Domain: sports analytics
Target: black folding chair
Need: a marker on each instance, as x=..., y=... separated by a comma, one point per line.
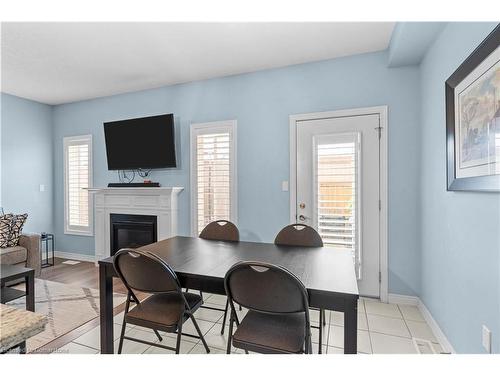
x=278, y=318
x=220, y=230
x=166, y=309
x=306, y=236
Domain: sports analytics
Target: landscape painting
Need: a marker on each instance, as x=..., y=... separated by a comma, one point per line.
x=479, y=117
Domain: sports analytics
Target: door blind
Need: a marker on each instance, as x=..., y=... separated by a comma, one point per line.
x=337, y=194
x=78, y=173
x=213, y=166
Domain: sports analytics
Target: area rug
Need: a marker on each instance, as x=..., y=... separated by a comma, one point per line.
x=67, y=307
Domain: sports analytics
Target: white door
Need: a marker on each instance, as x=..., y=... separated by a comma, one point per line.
x=338, y=184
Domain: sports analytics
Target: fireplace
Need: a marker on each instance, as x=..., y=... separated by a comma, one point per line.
x=131, y=231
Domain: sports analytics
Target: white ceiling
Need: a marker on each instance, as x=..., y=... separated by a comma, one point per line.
x=58, y=63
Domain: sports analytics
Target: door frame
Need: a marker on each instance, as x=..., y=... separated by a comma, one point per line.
x=383, y=228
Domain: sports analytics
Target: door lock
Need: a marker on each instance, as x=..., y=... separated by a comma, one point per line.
x=302, y=205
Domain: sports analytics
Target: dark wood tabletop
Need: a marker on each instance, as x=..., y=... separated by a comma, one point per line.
x=319, y=268
x=327, y=273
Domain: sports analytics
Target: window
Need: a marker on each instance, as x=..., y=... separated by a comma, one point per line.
x=337, y=192
x=77, y=177
x=213, y=173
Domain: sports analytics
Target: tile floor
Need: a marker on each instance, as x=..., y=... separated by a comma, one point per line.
x=382, y=328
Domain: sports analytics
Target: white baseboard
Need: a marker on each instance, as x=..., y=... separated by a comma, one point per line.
x=401, y=299
x=440, y=336
x=75, y=256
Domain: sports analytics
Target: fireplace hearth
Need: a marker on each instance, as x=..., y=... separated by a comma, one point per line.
x=131, y=231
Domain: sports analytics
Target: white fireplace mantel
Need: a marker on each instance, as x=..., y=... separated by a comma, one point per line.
x=155, y=201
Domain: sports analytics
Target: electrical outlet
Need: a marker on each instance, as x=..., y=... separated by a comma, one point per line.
x=284, y=185
x=487, y=339
x=42, y=187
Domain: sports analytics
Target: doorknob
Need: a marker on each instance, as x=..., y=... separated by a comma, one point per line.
x=302, y=218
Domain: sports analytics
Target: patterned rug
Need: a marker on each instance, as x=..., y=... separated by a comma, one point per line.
x=66, y=306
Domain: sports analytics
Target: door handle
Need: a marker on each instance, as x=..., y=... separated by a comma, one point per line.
x=302, y=218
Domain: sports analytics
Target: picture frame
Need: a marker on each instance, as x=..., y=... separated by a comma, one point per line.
x=472, y=95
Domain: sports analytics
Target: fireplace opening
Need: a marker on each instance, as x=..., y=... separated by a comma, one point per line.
x=132, y=231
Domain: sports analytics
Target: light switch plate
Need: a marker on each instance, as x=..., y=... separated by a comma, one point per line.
x=284, y=185
x=487, y=339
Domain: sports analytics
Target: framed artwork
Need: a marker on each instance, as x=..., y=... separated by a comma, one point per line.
x=473, y=120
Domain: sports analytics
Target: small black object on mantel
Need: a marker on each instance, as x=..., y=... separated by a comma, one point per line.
x=47, y=239
x=133, y=184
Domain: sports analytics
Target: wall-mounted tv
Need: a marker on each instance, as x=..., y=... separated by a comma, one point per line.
x=141, y=143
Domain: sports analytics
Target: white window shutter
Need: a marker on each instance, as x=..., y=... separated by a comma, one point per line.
x=78, y=170
x=214, y=189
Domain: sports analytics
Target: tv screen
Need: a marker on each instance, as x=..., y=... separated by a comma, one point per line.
x=141, y=143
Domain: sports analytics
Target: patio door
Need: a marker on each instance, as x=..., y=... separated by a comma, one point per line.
x=338, y=188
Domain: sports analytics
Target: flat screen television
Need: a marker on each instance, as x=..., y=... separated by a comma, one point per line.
x=141, y=143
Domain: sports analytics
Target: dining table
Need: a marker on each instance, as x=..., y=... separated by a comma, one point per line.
x=328, y=274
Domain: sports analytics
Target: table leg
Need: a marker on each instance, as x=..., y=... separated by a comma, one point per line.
x=351, y=326
x=30, y=291
x=106, y=310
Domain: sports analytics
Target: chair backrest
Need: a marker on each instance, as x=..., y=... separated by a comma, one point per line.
x=221, y=230
x=298, y=235
x=144, y=271
x=266, y=288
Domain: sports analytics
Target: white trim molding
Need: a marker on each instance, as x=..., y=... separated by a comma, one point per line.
x=75, y=256
x=401, y=299
x=382, y=111
x=196, y=129
x=440, y=336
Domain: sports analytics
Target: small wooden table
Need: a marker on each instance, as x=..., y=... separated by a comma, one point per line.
x=16, y=326
x=11, y=273
x=327, y=273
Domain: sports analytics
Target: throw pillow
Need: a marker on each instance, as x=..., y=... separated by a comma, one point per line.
x=15, y=228
x=5, y=223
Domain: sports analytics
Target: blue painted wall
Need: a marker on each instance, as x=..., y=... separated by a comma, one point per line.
x=27, y=160
x=460, y=231
x=261, y=103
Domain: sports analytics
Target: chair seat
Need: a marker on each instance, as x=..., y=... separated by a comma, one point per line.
x=162, y=311
x=269, y=333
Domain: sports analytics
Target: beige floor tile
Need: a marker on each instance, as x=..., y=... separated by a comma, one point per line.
x=421, y=330
x=411, y=313
x=386, y=344
x=186, y=346
x=92, y=337
x=133, y=347
x=387, y=325
x=336, y=338
x=315, y=347
x=214, y=339
x=385, y=309
x=74, y=348
x=338, y=320
x=200, y=349
x=208, y=314
x=361, y=305
x=216, y=299
x=314, y=316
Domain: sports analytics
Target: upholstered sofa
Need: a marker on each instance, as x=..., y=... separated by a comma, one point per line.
x=27, y=253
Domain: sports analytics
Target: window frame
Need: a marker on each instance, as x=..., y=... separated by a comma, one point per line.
x=212, y=128
x=80, y=231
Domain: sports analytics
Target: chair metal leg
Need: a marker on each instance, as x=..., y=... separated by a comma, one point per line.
x=201, y=295
x=321, y=319
x=230, y=336
x=200, y=334
x=120, y=345
x=324, y=316
x=179, y=334
x=224, y=319
x=158, y=335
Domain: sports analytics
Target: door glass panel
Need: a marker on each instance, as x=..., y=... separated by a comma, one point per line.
x=337, y=183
